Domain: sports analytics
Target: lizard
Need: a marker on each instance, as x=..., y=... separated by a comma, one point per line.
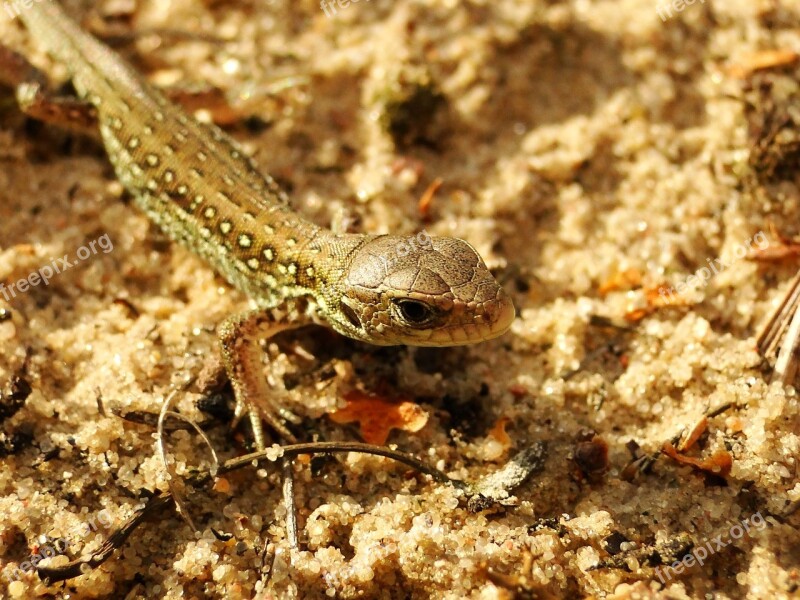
x=199, y=187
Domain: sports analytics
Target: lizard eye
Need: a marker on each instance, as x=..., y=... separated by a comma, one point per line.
x=414, y=312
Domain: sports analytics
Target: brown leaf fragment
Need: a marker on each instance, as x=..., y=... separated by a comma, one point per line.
x=518, y=390
x=695, y=434
x=660, y=296
x=663, y=295
x=426, y=200
x=377, y=417
x=786, y=248
x=499, y=434
x=621, y=280
x=763, y=60
x=719, y=464
x=637, y=315
x=222, y=485
x=778, y=254
x=591, y=458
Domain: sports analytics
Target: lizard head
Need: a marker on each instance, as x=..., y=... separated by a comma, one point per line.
x=421, y=291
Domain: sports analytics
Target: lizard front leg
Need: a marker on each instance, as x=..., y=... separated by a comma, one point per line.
x=241, y=354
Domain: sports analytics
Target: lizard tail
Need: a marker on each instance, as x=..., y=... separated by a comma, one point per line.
x=63, y=38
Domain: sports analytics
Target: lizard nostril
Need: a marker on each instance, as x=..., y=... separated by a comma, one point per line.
x=350, y=315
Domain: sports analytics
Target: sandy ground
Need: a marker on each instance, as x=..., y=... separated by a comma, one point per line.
x=591, y=150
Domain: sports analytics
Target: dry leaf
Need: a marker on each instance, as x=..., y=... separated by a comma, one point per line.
x=785, y=248
x=377, y=417
x=719, y=464
x=518, y=390
x=424, y=206
x=591, y=457
x=660, y=296
x=760, y=61
x=664, y=295
x=691, y=440
x=222, y=485
x=621, y=280
x=498, y=433
x=637, y=315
